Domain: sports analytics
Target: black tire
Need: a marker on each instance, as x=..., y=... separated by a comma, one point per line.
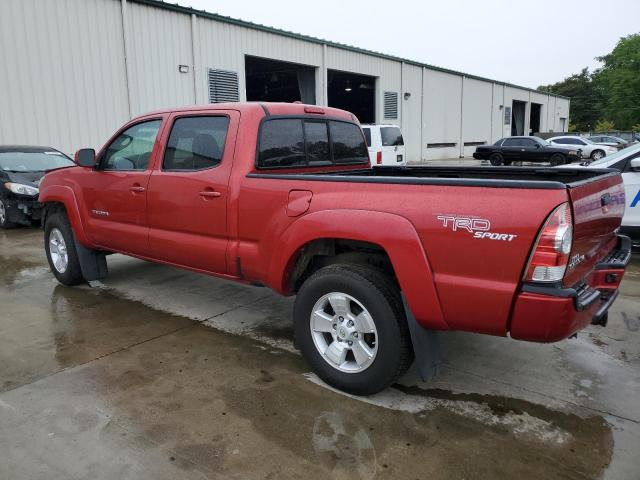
x=597, y=154
x=73, y=274
x=496, y=159
x=4, y=217
x=381, y=298
x=557, y=159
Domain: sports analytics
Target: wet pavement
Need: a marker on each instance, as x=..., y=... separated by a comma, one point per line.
x=161, y=373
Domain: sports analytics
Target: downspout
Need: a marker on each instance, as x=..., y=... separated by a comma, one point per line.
x=461, y=154
x=194, y=32
x=125, y=41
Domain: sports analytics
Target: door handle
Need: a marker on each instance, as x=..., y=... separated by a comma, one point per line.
x=137, y=189
x=210, y=194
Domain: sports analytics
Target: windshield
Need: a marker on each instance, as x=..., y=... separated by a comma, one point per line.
x=541, y=141
x=33, y=161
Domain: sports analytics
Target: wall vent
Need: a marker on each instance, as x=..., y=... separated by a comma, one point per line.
x=223, y=86
x=391, y=105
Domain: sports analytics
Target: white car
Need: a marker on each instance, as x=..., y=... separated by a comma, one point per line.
x=594, y=151
x=385, y=145
x=626, y=161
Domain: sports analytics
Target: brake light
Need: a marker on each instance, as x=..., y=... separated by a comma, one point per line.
x=379, y=158
x=550, y=255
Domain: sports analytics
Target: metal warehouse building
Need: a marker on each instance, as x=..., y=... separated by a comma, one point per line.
x=72, y=71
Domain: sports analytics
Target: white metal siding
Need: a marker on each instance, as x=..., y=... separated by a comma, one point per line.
x=62, y=72
x=65, y=81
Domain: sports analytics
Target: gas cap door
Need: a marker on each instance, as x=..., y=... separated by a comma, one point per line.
x=299, y=201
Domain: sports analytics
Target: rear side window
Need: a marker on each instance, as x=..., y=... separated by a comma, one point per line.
x=367, y=136
x=348, y=143
x=296, y=142
x=391, y=136
x=195, y=143
x=511, y=142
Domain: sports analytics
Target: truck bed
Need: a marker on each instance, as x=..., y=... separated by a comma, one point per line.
x=499, y=177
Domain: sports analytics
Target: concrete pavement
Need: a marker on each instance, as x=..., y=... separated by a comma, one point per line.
x=162, y=373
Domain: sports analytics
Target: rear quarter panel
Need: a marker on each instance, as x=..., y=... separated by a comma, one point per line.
x=475, y=279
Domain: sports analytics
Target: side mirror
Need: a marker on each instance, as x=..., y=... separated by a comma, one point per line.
x=635, y=165
x=85, y=157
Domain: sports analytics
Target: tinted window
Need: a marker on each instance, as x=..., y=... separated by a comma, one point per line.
x=526, y=142
x=317, y=137
x=511, y=142
x=195, y=143
x=566, y=141
x=367, y=136
x=348, y=143
x=391, y=136
x=131, y=150
x=281, y=144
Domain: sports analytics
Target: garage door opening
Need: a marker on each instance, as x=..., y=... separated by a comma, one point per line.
x=275, y=81
x=517, y=117
x=354, y=93
x=534, y=118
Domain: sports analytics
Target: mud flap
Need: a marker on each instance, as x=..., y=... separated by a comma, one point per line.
x=92, y=264
x=426, y=347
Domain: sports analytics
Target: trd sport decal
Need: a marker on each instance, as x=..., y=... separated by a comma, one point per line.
x=478, y=227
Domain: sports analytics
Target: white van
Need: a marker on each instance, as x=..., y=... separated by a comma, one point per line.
x=385, y=144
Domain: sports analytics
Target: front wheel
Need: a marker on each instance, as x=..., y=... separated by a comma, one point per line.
x=351, y=328
x=4, y=216
x=496, y=159
x=61, y=250
x=557, y=159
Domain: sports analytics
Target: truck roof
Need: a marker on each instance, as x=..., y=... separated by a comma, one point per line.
x=269, y=108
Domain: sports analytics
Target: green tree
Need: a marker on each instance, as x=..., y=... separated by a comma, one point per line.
x=586, y=98
x=603, y=126
x=635, y=128
x=620, y=81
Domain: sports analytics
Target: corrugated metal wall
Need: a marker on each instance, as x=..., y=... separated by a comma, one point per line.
x=73, y=71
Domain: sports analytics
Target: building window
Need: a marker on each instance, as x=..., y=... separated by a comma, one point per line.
x=391, y=105
x=223, y=86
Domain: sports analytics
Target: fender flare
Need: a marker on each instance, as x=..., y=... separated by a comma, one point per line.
x=393, y=233
x=66, y=196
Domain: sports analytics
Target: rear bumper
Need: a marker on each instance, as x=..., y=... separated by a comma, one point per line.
x=549, y=314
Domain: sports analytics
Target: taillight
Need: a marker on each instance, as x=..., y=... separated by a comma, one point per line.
x=550, y=255
x=379, y=158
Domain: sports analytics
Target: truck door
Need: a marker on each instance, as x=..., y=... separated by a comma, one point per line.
x=188, y=193
x=115, y=194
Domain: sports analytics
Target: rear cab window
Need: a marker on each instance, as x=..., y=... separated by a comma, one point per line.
x=305, y=142
x=391, y=136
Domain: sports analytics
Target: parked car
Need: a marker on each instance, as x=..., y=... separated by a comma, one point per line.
x=21, y=168
x=627, y=161
x=527, y=149
x=283, y=195
x=610, y=140
x=385, y=144
x=594, y=151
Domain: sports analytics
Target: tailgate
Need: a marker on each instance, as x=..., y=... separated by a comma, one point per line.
x=598, y=207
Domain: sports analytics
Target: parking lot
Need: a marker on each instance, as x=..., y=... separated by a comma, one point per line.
x=162, y=373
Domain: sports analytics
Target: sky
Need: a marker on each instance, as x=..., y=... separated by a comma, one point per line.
x=525, y=43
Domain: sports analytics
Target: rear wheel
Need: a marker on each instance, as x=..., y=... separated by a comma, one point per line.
x=351, y=328
x=557, y=159
x=4, y=216
x=61, y=251
x=597, y=154
x=496, y=159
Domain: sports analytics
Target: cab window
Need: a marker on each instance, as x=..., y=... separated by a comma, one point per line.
x=131, y=150
x=196, y=143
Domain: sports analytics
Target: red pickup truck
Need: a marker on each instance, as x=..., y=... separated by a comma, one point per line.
x=282, y=195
